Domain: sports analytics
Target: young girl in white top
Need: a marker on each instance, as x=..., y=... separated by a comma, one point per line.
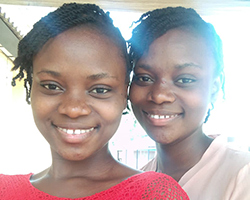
x=178, y=73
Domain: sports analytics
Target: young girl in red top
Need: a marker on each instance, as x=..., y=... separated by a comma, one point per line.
x=76, y=72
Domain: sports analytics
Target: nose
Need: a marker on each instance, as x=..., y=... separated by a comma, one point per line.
x=161, y=93
x=74, y=106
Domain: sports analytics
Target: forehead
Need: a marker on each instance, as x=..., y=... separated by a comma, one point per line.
x=80, y=48
x=178, y=46
x=80, y=36
x=180, y=39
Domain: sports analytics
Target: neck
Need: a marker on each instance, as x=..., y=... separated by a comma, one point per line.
x=94, y=166
x=75, y=179
x=176, y=159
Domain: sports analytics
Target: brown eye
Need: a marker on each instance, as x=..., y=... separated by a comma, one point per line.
x=185, y=80
x=142, y=78
x=145, y=79
x=51, y=87
x=100, y=90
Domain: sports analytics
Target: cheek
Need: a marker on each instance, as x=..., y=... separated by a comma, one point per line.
x=111, y=117
x=42, y=108
x=196, y=102
x=111, y=110
x=39, y=115
x=37, y=107
x=135, y=94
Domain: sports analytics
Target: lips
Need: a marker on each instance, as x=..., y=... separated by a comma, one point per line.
x=75, y=131
x=161, y=119
x=162, y=116
x=75, y=135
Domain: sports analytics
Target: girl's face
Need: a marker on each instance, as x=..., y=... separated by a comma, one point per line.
x=78, y=92
x=173, y=86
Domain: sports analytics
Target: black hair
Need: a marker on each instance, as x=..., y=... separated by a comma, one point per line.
x=153, y=24
x=65, y=17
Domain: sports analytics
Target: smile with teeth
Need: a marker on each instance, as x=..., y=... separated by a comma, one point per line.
x=75, y=131
x=162, y=116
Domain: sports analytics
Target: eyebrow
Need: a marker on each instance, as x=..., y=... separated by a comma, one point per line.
x=146, y=67
x=53, y=73
x=180, y=66
x=93, y=77
x=100, y=76
x=187, y=65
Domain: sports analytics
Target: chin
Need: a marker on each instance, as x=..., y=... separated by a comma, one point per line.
x=72, y=156
x=163, y=140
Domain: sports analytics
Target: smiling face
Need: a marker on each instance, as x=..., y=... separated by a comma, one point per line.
x=78, y=92
x=173, y=86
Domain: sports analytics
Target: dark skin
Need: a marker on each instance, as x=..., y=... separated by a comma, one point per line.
x=176, y=160
x=174, y=84
x=81, y=179
x=79, y=86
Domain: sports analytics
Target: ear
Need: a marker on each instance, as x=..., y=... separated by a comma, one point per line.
x=217, y=85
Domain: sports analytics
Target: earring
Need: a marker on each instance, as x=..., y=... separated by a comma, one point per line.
x=208, y=112
x=127, y=109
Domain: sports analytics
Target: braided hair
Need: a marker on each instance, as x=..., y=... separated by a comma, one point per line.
x=65, y=17
x=153, y=24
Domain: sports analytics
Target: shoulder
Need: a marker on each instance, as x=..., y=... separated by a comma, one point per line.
x=18, y=177
x=14, y=186
x=234, y=156
x=158, y=179
x=159, y=185
x=222, y=151
x=10, y=181
x=217, y=159
x=237, y=166
x=151, y=175
x=222, y=165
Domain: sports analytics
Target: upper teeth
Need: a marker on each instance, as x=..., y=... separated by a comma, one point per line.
x=75, y=131
x=162, y=116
